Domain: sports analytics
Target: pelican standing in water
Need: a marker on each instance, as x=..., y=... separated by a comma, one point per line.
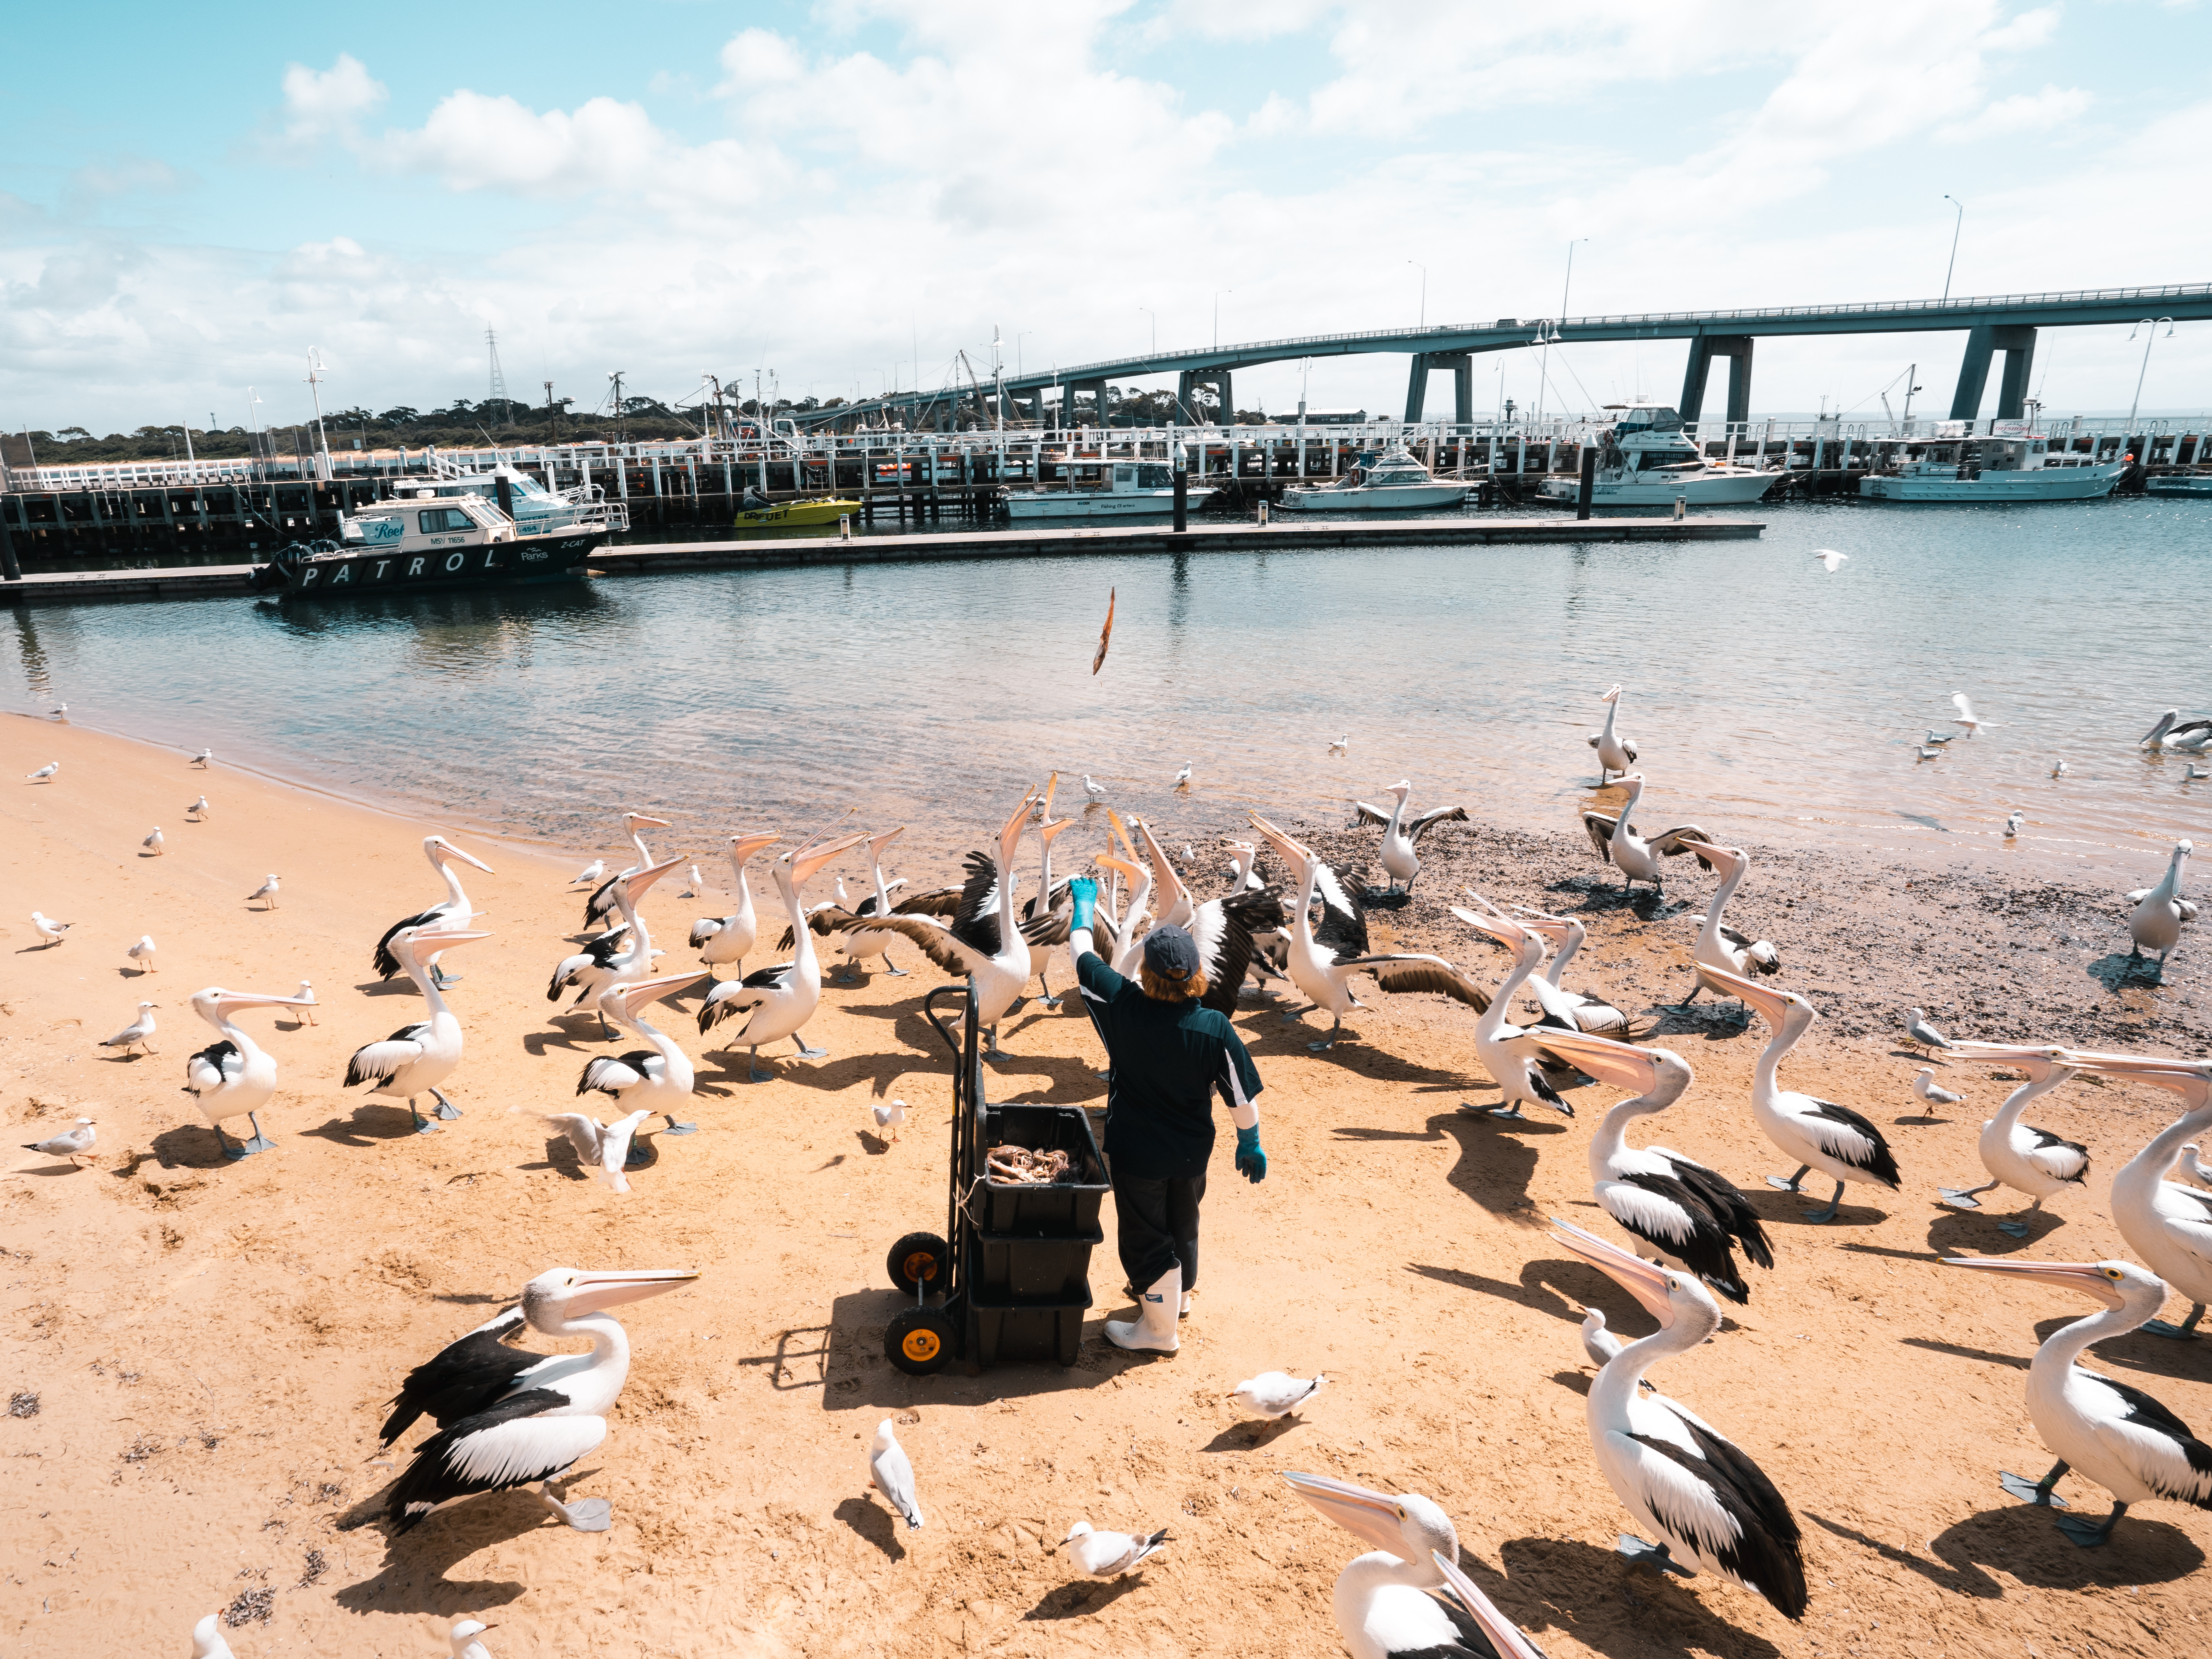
x=452, y=911
x=510, y=1419
x=1401, y=836
x=1620, y=845
x=2154, y=924
x=416, y=1059
x=1615, y=753
x=725, y=941
x=2106, y=1431
x=233, y=1076
x=1713, y=1508
x=778, y=1001
x=1382, y=1602
x=2018, y=1155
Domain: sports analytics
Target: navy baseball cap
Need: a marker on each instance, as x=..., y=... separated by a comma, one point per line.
x=1169, y=950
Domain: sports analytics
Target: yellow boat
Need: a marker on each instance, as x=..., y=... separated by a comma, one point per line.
x=824, y=509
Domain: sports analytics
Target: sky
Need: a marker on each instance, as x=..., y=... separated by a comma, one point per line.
x=845, y=196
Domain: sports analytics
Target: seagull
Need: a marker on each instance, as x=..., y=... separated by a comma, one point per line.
x=1918, y=1030
x=50, y=932
x=62, y=713
x=1275, y=1393
x=137, y=1033
x=199, y=809
x=71, y=1144
x=462, y=1637
x=2013, y=823
x=1927, y=754
x=893, y=1475
x=203, y=757
x=1939, y=738
x=1341, y=745
x=1929, y=1089
x=1966, y=716
x=307, y=996
x=1182, y=777
x=1111, y=1554
x=1096, y=791
x=44, y=774
x=602, y=1148
x=2059, y=769
x=207, y=1639
x=698, y=884
x=590, y=875
x=1830, y=558
x=267, y=892
x=153, y=842
x=2195, y=773
x=142, y=953
x=889, y=1117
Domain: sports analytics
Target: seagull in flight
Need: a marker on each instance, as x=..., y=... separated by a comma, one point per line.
x=1966, y=716
x=1830, y=558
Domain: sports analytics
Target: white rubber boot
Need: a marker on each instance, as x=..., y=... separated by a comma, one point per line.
x=1154, y=1328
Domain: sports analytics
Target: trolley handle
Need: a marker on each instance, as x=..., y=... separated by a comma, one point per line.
x=944, y=1031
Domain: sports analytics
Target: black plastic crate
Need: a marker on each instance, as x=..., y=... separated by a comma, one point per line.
x=998, y=1331
x=1017, y=1268
x=1065, y=1210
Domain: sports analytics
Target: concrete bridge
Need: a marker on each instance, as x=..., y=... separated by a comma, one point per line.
x=1992, y=324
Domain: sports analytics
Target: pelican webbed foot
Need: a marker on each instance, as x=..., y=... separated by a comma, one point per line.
x=895, y=973
x=752, y=1067
x=1790, y=1185
x=1653, y=1555
x=676, y=1128
x=806, y=1052
x=585, y=1515
x=2185, y=1332
x=446, y=1109
x=1818, y=1217
x=2089, y=1534
x=2034, y=1491
x=1512, y=1111
x=847, y=976
x=422, y=1126
x=2012, y=1228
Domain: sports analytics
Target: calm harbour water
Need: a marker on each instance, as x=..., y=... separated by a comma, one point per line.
x=1769, y=700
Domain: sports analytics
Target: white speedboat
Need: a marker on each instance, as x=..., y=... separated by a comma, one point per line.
x=1395, y=478
x=1645, y=461
x=536, y=510
x=2016, y=466
x=1096, y=488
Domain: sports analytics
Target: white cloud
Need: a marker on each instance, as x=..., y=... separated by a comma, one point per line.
x=329, y=103
x=2026, y=112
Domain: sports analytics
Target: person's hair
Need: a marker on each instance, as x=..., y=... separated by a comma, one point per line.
x=1159, y=987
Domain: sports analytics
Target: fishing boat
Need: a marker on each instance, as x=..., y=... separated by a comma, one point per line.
x=815, y=510
x=536, y=510
x=2197, y=484
x=421, y=539
x=1098, y=489
x=2011, y=464
x=1396, y=478
x=1644, y=461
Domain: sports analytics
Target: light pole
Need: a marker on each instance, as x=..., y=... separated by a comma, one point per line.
x=1567, y=286
x=1155, y=322
x=1018, y=339
x=1424, y=269
x=1217, y=293
x=2150, y=323
x=1957, y=225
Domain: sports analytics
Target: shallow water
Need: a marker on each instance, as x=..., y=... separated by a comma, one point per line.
x=1770, y=701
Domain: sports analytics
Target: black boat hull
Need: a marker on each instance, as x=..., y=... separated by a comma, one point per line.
x=533, y=559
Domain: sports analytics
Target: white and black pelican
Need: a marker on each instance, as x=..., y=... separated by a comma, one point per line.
x=1819, y=1133
x=1615, y=753
x=1126, y=936
x=233, y=1076
x=1383, y=1600
x=2106, y=1431
x=49, y=930
x=2018, y=1155
x=2165, y=1224
x=1323, y=962
x=725, y=941
x=509, y=1419
x=845, y=921
x=1045, y=915
x=1504, y=1636
x=778, y=1001
x=138, y=1034
x=619, y=955
x=1620, y=845
x=658, y=1079
x=2170, y=730
x=267, y=892
x=1692, y=1217
x=1510, y=1053
x=1401, y=836
x=2154, y=924
x=416, y=1059
x=601, y=904
x=1570, y=1010
x=452, y=911
x=1721, y=946
x=1713, y=1508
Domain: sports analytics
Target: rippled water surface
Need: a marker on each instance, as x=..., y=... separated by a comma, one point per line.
x=1769, y=700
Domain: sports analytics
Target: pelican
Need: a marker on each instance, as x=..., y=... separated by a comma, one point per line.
x=142, y=953
x=416, y=1059
x=1044, y=917
x=725, y=941
x=1615, y=753
x=605, y=1148
x=658, y=1079
x=452, y=911
x=1674, y=1473
x=2166, y=1225
x=2171, y=732
x=266, y=893
x=71, y=1144
x=50, y=933
x=1692, y=1217
x=1111, y=1554
x=153, y=842
x=1401, y=836
x=233, y=1076
x=1321, y=963
x=2155, y=922
x=138, y=1034
x=1382, y=1605
x=601, y=904
x=1571, y=1010
x=2018, y=1155
x=622, y=953
x=46, y=773
x=207, y=1639
x=2107, y=1433
x=1637, y=858
x=1718, y=946
x=778, y=1001
x=1510, y=1054
x=1818, y=1133
x=509, y=1419
x=1223, y=928
x=199, y=810
x=202, y=759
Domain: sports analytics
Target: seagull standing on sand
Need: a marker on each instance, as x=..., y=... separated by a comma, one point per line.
x=1275, y=1393
x=1830, y=558
x=590, y=875
x=202, y=758
x=44, y=774
x=153, y=842
x=1111, y=1554
x=49, y=933
x=1918, y=1030
x=1096, y=790
x=142, y=953
x=1926, y=1087
x=889, y=1117
x=696, y=885
x=199, y=810
x=1966, y=716
x=266, y=893
x=71, y=1144
x=893, y=1475
x=137, y=1034
x=207, y=1639
x=307, y=1000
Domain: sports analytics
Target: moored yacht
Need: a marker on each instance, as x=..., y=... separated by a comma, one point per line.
x=1099, y=488
x=1645, y=461
x=1396, y=478
x=2016, y=465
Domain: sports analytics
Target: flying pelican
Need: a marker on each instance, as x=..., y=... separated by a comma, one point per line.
x=1382, y=1601
x=1509, y=1053
x=2155, y=922
x=1615, y=753
x=1571, y=1010
x=153, y=842
x=50, y=933
x=1918, y=1030
x=1925, y=1086
x=622, y=953
x=658, y=1079
x=233, y=1076
x=1966, y=716
x=207, y=1639
x=725, y=941
x=1830, y=558
x=510, y=1419
x=892, y=1472
x=1272, y=1394
x=1637, y=858
x=2165, y=1224
x=1675, y=1474
x=601, y=904
x=778, y=1001
x=142, y=953
x=1719, y=945
x=2018, y=1155
x=1111, y=1554
x=71, y=1144
x=2171, y=732
x=1401, y=836
x=1692, y=1217
x=201, y=759
x=199, y=810
x=139, y=1033
x=266, y=893
x=1819, y=1135
x=1321, y=963
x=416, y=1059
x=452, y=911
x=44, y=774
x=605, y=1148
x=2107, y=1433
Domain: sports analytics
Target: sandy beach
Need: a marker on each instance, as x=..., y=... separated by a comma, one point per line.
x=210, y=1344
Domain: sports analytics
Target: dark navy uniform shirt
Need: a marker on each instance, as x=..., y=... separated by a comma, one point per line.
x=1167, y=1059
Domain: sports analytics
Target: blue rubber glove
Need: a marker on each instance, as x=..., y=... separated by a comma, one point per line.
x=1084, y=892
x=1251, y=1162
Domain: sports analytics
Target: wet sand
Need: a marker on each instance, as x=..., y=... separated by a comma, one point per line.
x=211, y=1344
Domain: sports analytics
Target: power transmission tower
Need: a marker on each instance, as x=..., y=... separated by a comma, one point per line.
x=498, y=393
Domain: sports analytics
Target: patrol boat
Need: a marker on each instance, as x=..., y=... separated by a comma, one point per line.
x=428, y=537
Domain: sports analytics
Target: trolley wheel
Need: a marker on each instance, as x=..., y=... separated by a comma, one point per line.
x=919, y=1261
x=919, y=1341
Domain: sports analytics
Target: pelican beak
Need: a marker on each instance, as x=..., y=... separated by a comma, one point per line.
x=446, y=941
x=1293, y=851
x=2088, y=1277
x=1168, y=876
x=1010, y=837
x=1506, y=933
x=1620, y=1064
x=1126, y=871
x=226, y=1000
x=645, y=879
x=1639, y=1277
x=744, y=846
x=644, y=993
x=1507, y=1640
x=877, y=843
x=1607, y=696
x=1770, y=1004
x=1051, y=788
x=1373, y=1516
x=451, y=851
x=2152, y=1068
x=809, y=862
x=595, y=1292
x=1051, y=828
x=636, y=818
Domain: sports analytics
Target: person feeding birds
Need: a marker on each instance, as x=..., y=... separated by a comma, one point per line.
x=1170, y=1054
